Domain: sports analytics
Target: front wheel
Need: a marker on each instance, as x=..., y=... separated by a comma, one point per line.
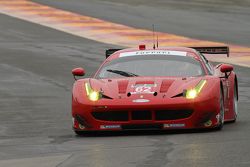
x=222, y=113
x=235, y=105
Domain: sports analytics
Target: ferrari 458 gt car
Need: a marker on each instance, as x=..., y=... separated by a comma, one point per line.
x=162, y=88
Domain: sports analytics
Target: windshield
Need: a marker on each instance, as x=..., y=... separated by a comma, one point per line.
x=151, y=65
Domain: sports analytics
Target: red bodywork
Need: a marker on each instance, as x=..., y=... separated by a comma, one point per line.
x=167, y=109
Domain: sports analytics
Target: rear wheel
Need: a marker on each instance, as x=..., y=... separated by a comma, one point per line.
x=222, y=113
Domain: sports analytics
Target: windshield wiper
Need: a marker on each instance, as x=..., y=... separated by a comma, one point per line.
x=123, y=73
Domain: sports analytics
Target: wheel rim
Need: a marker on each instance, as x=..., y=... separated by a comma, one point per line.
x=221, y=110
x=235, y=104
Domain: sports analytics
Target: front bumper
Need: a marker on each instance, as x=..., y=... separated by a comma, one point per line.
x=178, y=113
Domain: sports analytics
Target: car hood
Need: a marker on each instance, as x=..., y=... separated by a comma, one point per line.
x=150, y=87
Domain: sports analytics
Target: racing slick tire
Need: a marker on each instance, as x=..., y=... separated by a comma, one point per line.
x=235, y=105
x=222, y=112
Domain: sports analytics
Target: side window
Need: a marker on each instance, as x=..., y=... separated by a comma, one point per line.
x=211, y=67
x=207, y=64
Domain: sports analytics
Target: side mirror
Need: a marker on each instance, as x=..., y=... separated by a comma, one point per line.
x=225, y=68
x=78, y=72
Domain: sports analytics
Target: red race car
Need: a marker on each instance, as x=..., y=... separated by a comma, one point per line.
x=163, y=88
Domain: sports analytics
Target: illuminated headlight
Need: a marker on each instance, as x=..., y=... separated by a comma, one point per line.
x=193, y=93
x=92, y=94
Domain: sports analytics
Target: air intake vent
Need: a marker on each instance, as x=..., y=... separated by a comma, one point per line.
x=122, y=86
x=141, y=115
x=111, y=115
x=172, y=114
x=165, y=85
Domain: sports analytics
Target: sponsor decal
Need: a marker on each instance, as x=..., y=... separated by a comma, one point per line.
x=110, y=126
x=141, y=100
x=153, y=52
x=173, y=125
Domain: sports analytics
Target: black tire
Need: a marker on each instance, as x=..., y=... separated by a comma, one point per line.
x=222, y=112
x=235, y=105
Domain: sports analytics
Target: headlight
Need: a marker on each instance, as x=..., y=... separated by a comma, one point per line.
x=193, y=93
x=92, y=94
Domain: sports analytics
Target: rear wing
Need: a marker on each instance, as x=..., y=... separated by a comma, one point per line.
x=213, y=50
x=111, y=51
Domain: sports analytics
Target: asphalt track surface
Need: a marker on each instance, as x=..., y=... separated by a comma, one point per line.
x=35, y=93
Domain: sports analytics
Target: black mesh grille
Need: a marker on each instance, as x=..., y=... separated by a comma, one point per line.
x=141, y=115
x=172, y=114
x=160, y=115
x=111, y=115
